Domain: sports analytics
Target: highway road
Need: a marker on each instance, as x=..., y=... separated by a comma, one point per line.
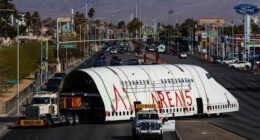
x=245, y=123
x=245, y=86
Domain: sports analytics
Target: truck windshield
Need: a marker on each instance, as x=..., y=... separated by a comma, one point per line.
x=148, y=116
x=44, y=100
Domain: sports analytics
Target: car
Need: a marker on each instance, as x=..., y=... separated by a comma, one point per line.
x=228, y=61
x=115, y=63
x=167, y=51
x=60, y=74
x=177, y=53
x=53, y=84
x=151, y=49
x=122, y=49
x=105, y=49
x=99, y=63
x=129, y=49
x=133, y=61
x=101, y=55
x=217, y=60
x=183, y=55
x=113, y=50
x=240, y=64
x=114, y=58
x=119, y=60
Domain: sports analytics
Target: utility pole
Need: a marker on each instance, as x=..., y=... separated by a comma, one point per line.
x=41, y=61
x=18, y=72
x=57, y=43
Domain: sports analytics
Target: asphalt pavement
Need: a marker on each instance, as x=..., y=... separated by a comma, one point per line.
x=244, y=86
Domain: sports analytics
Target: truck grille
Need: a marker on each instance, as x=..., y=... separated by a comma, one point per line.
x=32, y=112
x=152, y=126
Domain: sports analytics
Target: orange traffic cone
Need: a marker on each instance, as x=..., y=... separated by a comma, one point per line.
x=165, y=62
x=158, y=61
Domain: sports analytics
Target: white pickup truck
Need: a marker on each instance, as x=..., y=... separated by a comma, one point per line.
x=148, y=123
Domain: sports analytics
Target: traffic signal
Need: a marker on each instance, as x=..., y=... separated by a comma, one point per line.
x=199, y=37
x=222, y=38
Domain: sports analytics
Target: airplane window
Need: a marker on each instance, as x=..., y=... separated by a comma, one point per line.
x=191, y=80
x=177, y=110
x=147, y=81
x=133, y=82
x=186, y=81
x=192, y=108
x=174, y=110
x=169, y=81
x=225, y=106
x=167, y=110
x=179, y=80
x=165, y=81
x=122, y=82
x=172, y=80
x=180, y=109
x=182, y=80
x=162, y=80
x=124, y=113
x=120, y=113
x=113, y=113
x=131, y=112
x=108, y=113
x=136, y=82
x=140, y=81
x=127, y=113
x=144, y=81
x=116, y=113
x=126, y=82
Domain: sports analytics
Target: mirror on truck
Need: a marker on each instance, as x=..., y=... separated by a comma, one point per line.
x=165, y=119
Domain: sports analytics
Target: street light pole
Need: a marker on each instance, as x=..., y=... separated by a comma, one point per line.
x=41, y=60
x=18, y=88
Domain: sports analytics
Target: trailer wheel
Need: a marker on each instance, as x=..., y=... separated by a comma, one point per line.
x=76, y=119
x=70, y=121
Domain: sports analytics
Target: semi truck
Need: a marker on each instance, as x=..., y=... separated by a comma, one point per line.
x=48, y=108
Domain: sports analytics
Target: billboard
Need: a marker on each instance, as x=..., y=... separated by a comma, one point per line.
x=64, y=19
x=212, y=21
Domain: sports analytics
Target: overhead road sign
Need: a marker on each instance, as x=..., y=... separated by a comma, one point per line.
x=68, y=46
x=253, y=43
x=64, y=19
x=212, y=34
x=212, y=21
x=11, y=81
x=186, y=38
x=246, y=9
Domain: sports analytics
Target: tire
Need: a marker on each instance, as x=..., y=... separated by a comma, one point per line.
x=160, y=137
x=232, y=67
x=76, y=120
x=70, y=121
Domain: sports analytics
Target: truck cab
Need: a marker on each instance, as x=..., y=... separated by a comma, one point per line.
x=148, y=122
x=44, y=110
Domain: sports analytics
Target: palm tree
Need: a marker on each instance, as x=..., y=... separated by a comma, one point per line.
x=91, y=13
x=27, y=19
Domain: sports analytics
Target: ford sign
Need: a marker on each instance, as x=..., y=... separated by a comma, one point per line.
x=246, y=9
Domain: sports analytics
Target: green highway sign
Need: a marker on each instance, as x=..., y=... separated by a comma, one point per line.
x=253, y=43
x=52, y=46
x=69, y=46
x=92, y=37
x=185, y=38
x=11, y=81
x=212, y=34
